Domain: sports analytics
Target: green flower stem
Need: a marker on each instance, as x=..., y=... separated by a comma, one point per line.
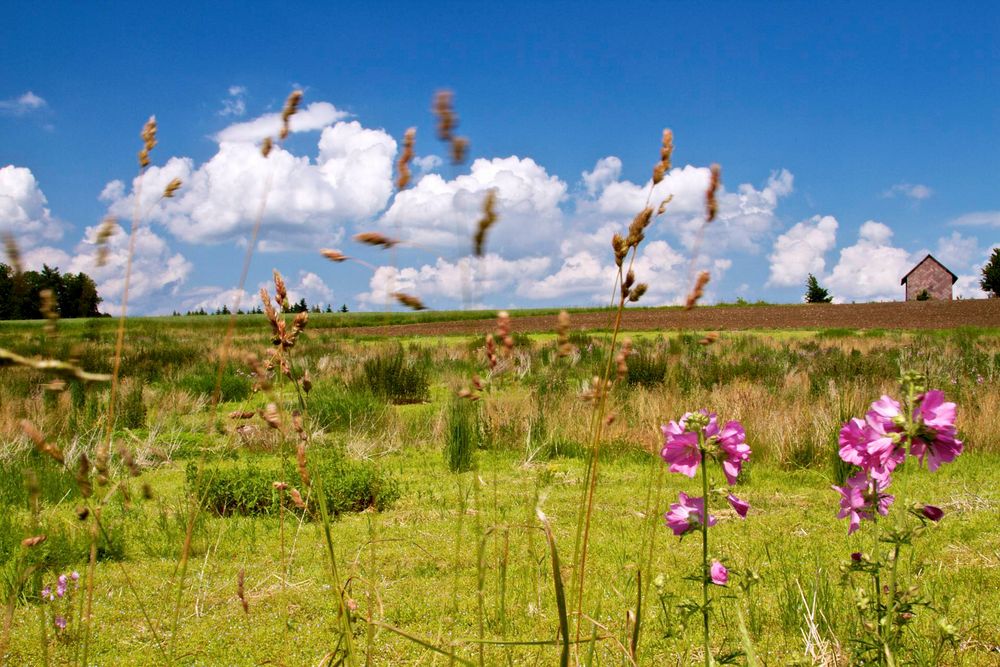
x=704, y=548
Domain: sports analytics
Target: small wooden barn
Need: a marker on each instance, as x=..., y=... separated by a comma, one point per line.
x=929, y=279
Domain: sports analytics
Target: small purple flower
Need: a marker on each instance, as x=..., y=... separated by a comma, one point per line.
x=741, y=506
x=60, y=622
x=687, y=514
x=719, y=573
x=61, y=585
x=856, y=556
x=47, y=593
x=932, y=512
x=75, y=576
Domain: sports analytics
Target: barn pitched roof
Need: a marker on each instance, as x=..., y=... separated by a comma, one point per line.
x=954, y=278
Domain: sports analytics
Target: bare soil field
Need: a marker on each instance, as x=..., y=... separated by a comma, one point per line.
x=887, y=315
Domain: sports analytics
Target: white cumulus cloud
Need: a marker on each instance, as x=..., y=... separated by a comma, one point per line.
x=870, y=270
x=978, y=218
x=307, y=200
x=441, y=213
x=312, y=117
x=801, y=251
x=24, y=211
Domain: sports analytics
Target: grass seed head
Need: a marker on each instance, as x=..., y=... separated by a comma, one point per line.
x=297, y=498
x=30, y=542
x=270, y=415
x=83, y=476
x=403, y=163
x=13, y=252
x=662, y=208
x=375, y=239
x=172, y=188
x=148, y=135
x=459, y=149
x=410, y=301
x=334, y=255
x=109, y=226
x=280, y=291
x=636, y=231
x=636, y=292
x=266, y=146
x=41, y=444
x=697, y=291
x=711, y=204
x=302, y=463
x=291, y=106
x=447, y=120
x=488, y=220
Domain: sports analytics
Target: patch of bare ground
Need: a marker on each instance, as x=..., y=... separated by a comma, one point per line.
x=888, y=315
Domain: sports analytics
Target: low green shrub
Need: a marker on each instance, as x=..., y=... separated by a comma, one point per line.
x=248, y=488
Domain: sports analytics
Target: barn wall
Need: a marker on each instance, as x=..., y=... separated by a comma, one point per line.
x=931, y=277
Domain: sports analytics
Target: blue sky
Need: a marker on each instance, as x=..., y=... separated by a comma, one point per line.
x=851, y=139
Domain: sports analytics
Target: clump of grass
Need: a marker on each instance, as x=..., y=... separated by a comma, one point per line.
x=463, y=434
x=394, y=377
x=248, y=488
x=233, y=385
x=356, y=408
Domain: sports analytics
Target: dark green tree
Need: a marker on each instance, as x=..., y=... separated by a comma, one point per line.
x=990, y=282
x=343, y=308
x=815, y=293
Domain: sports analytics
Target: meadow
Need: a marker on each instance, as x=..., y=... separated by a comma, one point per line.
x=434, y=455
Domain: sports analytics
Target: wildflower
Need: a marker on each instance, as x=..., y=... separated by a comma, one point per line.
x=47, y=593
x=932, y=512
x=686, y=515
x=719, y=573
x=732, y=443
x=60, y=622
x=61, y=585
x=866, y=444
x=861, y=498
x=741, y=506
x=680, y=448
x=857, y=556
x=936, y=432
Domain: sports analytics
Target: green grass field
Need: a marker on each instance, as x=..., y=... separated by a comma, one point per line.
x=457, y=562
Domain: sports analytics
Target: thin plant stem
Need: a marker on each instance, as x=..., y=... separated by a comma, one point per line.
x=704, y=549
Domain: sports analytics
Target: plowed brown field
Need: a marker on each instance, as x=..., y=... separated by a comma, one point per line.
x=890, y=315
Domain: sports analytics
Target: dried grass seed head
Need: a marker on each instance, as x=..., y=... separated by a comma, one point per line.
x=148, y=135
x=697, y=291
x=334, y=255
x=291, y=106
x=711, y=204
x=266, y=146
x=172, y=188
x=488, y=220
x=410, y=301
x=375, y=239
x=280, y=291
x=445, y=113
x=13, y=252
x=403, y=163
x=459, y=149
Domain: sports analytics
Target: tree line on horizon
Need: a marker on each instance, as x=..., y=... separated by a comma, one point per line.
x=21, y=293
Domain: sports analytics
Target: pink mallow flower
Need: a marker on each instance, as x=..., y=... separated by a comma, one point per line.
x=732, y=443
x=741, y=506
x=936, y=440
x=680, y=447
x=687, y=514
x=861, y=497
x=60, y=622
x=873, y=444
x=719, y=573
x=61, y=585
